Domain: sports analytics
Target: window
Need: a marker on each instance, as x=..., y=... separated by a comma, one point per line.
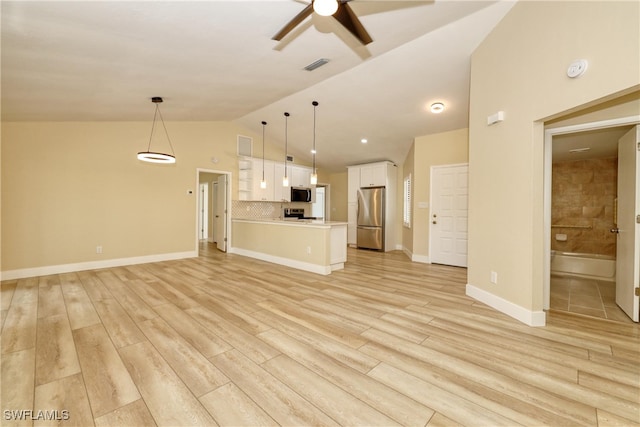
x=406, y=215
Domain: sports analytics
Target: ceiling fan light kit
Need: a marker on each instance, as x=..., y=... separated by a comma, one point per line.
x=325, y=7
x=343, y=14
x=152, y=156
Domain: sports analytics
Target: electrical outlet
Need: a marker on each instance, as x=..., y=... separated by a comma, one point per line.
x=494, y=277
x=98, y=249
x=309, y=250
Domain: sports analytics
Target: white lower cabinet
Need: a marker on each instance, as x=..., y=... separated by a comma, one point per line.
x=352, y=223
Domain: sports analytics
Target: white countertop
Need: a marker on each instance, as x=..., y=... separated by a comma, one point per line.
x=292, y=222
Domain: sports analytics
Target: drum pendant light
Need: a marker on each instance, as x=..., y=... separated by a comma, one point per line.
x=153, y=156
x=263, y=183
x=314, y=174
x=285, y=179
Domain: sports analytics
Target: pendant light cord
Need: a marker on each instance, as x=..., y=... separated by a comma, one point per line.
x=315, y=104
x=153, y=126
x=263, y=127
x=286, y=137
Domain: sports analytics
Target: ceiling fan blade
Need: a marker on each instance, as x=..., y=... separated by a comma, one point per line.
x=294, y=22
x=350, y=21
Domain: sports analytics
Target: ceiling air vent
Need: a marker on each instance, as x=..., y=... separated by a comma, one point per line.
x=317, y=64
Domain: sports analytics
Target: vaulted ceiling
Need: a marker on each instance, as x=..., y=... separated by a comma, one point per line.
x=216, y=60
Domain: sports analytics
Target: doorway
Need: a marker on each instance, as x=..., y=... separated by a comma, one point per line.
x=320, y=207
x=213, y=214
x=581, y=180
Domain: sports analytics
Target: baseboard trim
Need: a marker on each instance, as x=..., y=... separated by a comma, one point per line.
x=93, y=265
x=408, y=253
x=300, y=265
x=528, y=317
x=424, y=259
x=421, y=258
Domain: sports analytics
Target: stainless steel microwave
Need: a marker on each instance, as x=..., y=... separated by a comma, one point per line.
x=301, y=194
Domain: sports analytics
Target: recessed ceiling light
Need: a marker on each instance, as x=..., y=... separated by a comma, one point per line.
x=364, y=140
x=580, y=150
x=437, y=107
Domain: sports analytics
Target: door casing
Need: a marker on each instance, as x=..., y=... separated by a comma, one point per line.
x=548, y=144
x=229, y=206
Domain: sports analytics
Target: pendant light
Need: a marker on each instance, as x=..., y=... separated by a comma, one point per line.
x=152, y=156
x=314, y=174
x=263, y=183
x=285, y=179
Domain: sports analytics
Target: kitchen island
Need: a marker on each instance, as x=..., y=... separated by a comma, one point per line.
x=311, y=245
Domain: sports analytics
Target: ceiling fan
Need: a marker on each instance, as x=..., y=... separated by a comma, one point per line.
x=340, y=10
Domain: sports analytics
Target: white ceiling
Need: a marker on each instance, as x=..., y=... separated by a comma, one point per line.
x=601, y=144
x=215, y=60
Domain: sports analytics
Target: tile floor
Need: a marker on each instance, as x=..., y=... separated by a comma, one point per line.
x=589, y=297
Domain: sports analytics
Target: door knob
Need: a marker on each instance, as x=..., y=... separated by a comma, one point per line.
x=615, y=230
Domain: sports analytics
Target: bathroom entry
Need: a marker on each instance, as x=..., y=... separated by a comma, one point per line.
x=585, y=200
x=212, y=206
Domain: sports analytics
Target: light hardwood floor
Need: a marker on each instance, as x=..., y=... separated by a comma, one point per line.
x=227, y=340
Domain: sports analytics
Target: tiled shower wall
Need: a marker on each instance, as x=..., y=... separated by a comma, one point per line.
x=583, y=194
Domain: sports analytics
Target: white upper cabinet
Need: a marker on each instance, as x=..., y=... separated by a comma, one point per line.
x=374, y=175
x=259, y=193
x=300, y=176
x=250, y=176
x=281, y=194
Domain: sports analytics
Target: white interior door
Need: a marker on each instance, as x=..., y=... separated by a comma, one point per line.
x=448, y=219
x=628, y=241
x=221, y=213
x=214, y=216
x=203, y=209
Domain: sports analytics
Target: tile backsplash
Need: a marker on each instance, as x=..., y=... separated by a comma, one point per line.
x=243, y=209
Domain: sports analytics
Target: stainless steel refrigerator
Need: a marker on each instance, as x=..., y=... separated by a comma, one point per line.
x=371, y=218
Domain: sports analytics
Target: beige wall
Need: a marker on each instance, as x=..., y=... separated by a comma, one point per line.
x=338, y=183
x=68, y=187
x=520, y=69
